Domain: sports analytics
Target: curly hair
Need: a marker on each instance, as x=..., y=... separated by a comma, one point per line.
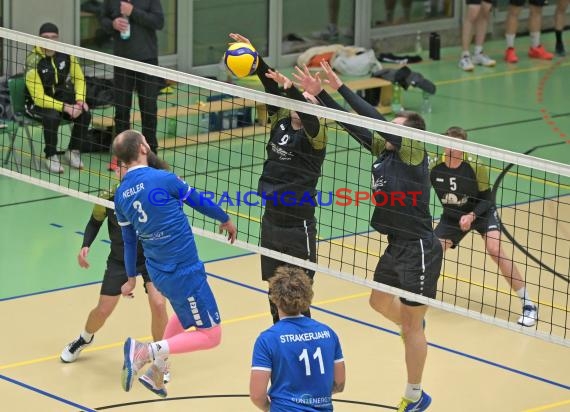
x=290, y=290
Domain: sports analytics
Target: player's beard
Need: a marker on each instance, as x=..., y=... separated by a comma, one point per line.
x=154, y=161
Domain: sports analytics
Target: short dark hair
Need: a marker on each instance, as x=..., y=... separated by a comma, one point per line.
x=127, y=147
x=457, y=132
x=290, y=289
x=413, y=119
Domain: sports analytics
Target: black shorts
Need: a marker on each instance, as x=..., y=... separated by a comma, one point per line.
x=520, y=3
x=411, y=265
x=449, y=229
x=116, y=275
x=477, y=2
x=297, y=241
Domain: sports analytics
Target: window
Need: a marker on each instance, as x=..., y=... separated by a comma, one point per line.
x=214, y=19
x=316, y=23
x=390, y=12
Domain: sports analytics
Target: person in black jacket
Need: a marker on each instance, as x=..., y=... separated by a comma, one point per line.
x=295, y=154
x=50, y=99
x=134, y=24
x=412, y=260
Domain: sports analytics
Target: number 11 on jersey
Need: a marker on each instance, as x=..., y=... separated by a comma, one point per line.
x=304, y=356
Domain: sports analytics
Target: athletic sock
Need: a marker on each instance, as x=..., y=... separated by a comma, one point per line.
x=510, y=40
x=523, y=295
x=159, y=349
x=478, y=49
x=87, y=337
x=558, y=36
x=535, y=38
x=413, y=391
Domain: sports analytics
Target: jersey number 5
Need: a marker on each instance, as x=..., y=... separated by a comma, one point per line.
x=452, y=183
x=304, y=356
x=138, y=206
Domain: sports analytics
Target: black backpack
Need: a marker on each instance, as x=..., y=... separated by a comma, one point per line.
x=99, y=92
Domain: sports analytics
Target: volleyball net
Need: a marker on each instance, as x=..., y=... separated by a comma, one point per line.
x=214, y=135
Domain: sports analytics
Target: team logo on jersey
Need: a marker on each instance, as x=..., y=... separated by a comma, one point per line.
x=282, y=153
x=282, y=126
x=61, y=65
x=378, y=183
x=453, y=199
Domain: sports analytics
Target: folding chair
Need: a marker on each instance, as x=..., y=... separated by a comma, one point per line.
x=11, y=128
x=17, y=90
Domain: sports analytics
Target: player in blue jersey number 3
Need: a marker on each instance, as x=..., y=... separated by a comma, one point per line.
x=148, y=204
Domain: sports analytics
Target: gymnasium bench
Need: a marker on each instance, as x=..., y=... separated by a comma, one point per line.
x=101, y=120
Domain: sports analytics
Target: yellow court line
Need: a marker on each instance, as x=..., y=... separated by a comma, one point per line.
x=149, y=338
x=549, y=406
x=455, y=277
x=500, y=74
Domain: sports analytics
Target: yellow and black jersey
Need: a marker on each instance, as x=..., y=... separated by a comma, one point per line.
x=98, y=216
x=463, y=189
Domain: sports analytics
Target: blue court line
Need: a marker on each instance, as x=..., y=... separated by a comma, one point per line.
x=100, y=281
x=49, y=395
x=50, y=291
x=433, y=345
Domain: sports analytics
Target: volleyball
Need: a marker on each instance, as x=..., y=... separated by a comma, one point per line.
x=241, y=59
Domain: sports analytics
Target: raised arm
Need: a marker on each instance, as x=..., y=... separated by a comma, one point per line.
x=193, y=198
x=262, y=68
x=313, y=85
x=311, y=123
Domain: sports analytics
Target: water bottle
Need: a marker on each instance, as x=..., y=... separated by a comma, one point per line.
x=426, y=102
x=126, y=34
x=434, y=46
x=419, y=48
x=396, y=98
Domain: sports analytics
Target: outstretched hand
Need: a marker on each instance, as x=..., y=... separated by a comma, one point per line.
x=279, y=78
x=231, y=230
x=238, y=38
x=332, y=79
x=311, y=84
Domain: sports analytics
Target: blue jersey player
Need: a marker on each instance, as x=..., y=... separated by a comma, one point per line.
x=148, y=204
x=301, y=356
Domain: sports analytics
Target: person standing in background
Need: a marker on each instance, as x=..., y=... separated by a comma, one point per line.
x=477, y=16
x=559, y=23
x=536, y=50
x=134, y=24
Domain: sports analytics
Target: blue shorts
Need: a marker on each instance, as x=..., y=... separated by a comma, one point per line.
x=186, y=288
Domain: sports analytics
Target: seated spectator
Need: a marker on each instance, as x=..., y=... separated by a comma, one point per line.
x=49, y=98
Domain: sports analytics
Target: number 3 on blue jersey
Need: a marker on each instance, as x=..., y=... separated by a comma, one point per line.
x=143, y=216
